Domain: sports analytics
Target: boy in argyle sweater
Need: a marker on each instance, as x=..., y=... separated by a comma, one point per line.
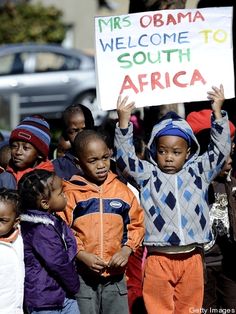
x=173, y=191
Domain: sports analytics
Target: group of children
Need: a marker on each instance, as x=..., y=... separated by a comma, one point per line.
x=80, y=224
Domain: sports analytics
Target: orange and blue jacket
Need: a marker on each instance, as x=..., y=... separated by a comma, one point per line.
x=103, y=218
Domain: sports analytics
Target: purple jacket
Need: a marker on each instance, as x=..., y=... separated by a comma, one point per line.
x=50, y=249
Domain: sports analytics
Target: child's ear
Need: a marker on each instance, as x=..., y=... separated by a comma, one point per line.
x=44, y=204
x=17, y=221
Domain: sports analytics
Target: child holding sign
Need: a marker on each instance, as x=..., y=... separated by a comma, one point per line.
x=174, y=181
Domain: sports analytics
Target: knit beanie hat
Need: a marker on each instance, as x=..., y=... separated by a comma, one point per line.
x=34, y=130
x=201, y=120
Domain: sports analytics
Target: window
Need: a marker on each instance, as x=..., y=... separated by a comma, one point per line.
x=12, y=63
x=48, y=61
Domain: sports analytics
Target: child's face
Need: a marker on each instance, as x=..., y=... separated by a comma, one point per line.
x=94, y=160
x=172, y=152
x=75, y=123
x=62, y=147
x=23, y=155
x=8, y=218
x=57, y=200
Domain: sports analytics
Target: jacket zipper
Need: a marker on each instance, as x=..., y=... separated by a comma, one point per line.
x=101, y=223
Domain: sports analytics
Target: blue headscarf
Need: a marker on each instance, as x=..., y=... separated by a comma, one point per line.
x=174, y=131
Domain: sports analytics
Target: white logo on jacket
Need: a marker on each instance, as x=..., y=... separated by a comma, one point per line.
x=116, y=204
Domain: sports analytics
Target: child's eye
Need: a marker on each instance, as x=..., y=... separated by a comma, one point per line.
x=26, y=147
x=92, y=161
x=3, y=221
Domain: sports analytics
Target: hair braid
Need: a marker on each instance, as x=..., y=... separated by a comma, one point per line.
x=32, y=186
x=9, y=195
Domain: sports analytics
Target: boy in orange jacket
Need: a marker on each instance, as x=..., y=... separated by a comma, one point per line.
x=108, y=224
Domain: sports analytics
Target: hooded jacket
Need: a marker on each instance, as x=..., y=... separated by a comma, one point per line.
x=49, y=248
x=103, y=218
x=176, y=208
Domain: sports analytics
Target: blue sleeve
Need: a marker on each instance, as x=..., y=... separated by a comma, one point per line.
x=7, y=180
x=212, y=161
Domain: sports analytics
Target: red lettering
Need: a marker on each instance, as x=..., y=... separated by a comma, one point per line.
x=142, y=20
x=176, y=77
x=170, y=20
x=155, y=77
x=140, y=80
x=197, y=77
x=181, y=16
x=197, y=16
x=161, y=81
x=167, y=78
x=128, y=84
x=157, y=20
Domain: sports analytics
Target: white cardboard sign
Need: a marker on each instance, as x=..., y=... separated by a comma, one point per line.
x=164, y=57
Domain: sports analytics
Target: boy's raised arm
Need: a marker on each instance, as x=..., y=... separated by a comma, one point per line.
x=124, y=110
x=217, y=97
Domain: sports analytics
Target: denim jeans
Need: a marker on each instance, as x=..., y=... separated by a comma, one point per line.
x=70, y=306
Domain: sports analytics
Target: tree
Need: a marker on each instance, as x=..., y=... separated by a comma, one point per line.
x=25, y=22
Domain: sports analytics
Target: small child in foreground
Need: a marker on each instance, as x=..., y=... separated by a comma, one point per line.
x=51, y=279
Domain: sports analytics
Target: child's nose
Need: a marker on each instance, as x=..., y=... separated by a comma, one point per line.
x=19, y=150
x=169, y=157
x=100, y=164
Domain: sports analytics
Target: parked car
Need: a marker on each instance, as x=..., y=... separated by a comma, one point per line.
x=47, y=78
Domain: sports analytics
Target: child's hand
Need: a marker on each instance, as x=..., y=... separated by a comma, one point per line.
x=124, y=110
x=120, y=259
x=217, y=97
x=93, y=261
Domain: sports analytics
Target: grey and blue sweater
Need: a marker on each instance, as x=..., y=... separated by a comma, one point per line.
x=176, y=205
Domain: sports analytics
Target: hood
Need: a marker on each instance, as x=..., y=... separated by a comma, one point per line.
x=172, y=120
x=80, y=183
x=35, y=216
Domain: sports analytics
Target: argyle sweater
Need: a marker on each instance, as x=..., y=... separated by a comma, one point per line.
x=176, y=205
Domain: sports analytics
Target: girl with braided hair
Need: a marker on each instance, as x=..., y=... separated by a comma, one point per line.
x=51, y=279
x=11, y=252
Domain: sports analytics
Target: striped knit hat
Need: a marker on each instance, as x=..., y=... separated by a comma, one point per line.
x=34, y=130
